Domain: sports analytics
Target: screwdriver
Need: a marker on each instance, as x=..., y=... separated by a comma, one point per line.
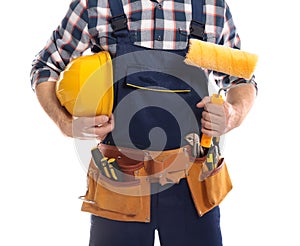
x=105, y=166
x=115, y=170
x=101, y=162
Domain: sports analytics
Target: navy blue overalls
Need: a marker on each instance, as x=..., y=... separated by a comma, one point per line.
x=155, y=108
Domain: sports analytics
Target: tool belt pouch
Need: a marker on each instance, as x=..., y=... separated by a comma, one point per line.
x=117, y=200
x=210, y=192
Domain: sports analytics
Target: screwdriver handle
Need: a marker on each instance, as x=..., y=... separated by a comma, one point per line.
x=115, y=170
x=205, y=139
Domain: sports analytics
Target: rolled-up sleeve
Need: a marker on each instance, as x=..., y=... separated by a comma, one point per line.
x=68, y=41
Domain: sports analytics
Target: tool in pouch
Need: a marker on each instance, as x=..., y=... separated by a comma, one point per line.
x=212, y=153
x=107, y=167
x=208, y=146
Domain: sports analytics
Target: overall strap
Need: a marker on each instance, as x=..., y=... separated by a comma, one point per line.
x=118, y=20
x=197, y=26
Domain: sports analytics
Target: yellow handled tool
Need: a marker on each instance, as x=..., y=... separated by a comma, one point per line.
x=205, y=139
x=222, y=59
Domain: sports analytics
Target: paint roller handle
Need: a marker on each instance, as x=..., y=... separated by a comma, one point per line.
x=206, y=140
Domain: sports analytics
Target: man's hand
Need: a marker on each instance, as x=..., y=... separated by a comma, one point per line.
x=92, y=127
x=220, y=119
x=81, y=127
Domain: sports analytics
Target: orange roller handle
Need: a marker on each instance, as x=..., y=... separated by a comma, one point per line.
x=205, y=139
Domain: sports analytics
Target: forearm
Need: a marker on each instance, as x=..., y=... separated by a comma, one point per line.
x=241, y=98
x=96, y=127
x=47, y=98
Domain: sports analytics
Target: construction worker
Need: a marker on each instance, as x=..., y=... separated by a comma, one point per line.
x=148, y=91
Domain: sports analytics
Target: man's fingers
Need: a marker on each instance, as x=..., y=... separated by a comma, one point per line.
x=93, y=127
x=215, y=109
x=204, y=101
x=88, y=135
x=103, y=125
x=101, y=119
x=210, y=117
x=210, y=125
x=90, y=122
x=212, y=133
x=103, y=129
x=213, y=120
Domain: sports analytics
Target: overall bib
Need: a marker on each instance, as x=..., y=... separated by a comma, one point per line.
x=155, y=108
x=155, y=93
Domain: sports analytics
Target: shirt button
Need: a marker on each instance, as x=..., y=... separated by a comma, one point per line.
x=158, y=38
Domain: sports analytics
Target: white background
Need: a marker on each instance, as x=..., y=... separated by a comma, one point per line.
x=41, y=175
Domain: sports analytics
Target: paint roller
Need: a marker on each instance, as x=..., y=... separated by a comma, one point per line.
x=222, y=59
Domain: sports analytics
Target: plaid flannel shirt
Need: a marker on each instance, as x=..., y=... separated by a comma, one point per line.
x=87, y=23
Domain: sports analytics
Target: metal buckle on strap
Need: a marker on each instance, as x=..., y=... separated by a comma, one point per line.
x=197, y=29
x=119, y=22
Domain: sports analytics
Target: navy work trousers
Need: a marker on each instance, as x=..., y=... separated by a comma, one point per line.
x=174, y=216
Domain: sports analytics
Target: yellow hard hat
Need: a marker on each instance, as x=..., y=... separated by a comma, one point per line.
x=85, y=87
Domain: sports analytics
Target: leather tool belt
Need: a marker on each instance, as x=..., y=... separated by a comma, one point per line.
x=129, y=199
x=160, y=166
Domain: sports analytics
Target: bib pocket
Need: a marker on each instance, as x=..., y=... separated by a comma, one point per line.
x=145, y=79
